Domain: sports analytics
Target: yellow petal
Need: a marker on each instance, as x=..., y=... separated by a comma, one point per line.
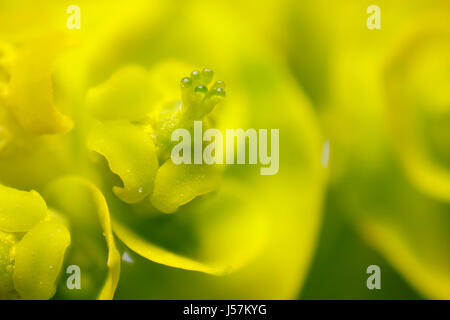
x=127, y=95
x=176, y=185
x=30, y=94
x=59, y=193
x=20, y=210
x=39, y=259
x=160, y=255
x=131, y=155
x=417, y=91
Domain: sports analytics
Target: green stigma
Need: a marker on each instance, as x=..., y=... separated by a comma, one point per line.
x=197, y=99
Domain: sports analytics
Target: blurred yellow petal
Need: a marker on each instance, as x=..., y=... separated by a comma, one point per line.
x=166, y=76
x=126, y=95
x=432, y=279
x=417, y=83
x=39, y=256
x=90, y=221
x=7, y=59
x=160, y=255
x=131, y=155
x=30, y=93
x=20, y=210
x=22, y=152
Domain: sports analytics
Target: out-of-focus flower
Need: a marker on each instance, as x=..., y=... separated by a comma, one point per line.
x=385, y=111
x=417, y=84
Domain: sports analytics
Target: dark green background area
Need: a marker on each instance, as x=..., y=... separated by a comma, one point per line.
x=338, y=269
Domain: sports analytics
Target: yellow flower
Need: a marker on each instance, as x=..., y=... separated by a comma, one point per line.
x=253, y=237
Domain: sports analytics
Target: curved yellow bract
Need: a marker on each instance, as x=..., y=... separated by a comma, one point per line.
x=90, y=221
